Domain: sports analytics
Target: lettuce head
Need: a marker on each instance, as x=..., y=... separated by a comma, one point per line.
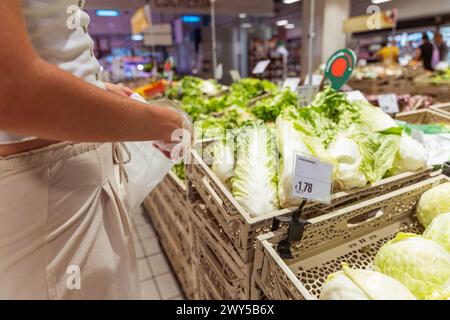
x=421, y=265
x=434, y=202
x=439, y=231
x=351, y=284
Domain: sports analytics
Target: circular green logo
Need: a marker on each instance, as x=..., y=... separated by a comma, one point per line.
x=339, y=68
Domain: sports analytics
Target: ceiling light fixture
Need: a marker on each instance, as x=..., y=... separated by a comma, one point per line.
x=246, y=25
x=290, y=1
x=242, y=15
x=379, y=1
x=290, y=26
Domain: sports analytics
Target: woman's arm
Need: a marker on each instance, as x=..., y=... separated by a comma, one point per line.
x=39, y=99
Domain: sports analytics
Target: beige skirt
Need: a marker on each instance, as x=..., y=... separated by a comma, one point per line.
x=64, y=232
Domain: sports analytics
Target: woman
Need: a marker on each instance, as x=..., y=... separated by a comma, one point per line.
x=64, y=234
x=441, y=46
x=389, y=55
x=425, y=53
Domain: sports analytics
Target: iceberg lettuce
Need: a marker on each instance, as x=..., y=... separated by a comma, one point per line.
x=439, y=231
x=434, y=202
x=351, y=284
x=419, y=264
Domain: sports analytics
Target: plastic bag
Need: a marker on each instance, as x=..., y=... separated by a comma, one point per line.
x=147, y=168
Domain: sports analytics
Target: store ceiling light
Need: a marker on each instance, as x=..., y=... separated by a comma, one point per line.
x=242, y=15
x=290, y=26
x=246, y=25
x=290, y=1
x=137, y=37
x=282, y=23
x=107, y=13
x=191, y=19
x=379, y=1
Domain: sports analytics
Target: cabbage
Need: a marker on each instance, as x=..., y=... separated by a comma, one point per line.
x=350, y=284
x=254, y=184
x=420, y=264
x=378, y=150
x=223, y=162
x=346, y=151
x=433, y=202
x=443, y=294
x=375, y=118
x=412, y=156
x=289, y=142
x=439, y=231
x=292, y=139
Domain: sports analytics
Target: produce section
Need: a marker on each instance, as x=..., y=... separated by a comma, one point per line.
x=228, y=151
x=240, y=180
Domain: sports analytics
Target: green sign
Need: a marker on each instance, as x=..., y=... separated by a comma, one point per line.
x=339, y=68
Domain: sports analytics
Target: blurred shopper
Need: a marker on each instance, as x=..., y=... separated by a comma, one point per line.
x=389, y=53
x=64, y=232
x=441, y=46
x=425, y=52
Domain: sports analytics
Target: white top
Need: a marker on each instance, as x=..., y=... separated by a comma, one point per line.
x=58, y=32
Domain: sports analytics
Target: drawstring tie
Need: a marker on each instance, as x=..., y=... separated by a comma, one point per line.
x=118, y=154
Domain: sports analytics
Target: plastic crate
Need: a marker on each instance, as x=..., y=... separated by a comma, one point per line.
x=217, y=261
x=352, y=235
x=440, y=92
x=242, y=229
x=442, y=108
x=424, y=116
x=170, y=213
x=381, y=86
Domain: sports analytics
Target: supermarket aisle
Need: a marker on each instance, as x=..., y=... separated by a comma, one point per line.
x=157, y=280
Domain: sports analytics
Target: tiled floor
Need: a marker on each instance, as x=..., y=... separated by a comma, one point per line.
x=157, y=280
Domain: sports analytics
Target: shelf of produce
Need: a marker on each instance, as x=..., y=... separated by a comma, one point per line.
x=351, y=235
x=425, y=86
x=442, y=108
x=381, y=86
x=423, y=117
x=170, y=212
x=242, y=229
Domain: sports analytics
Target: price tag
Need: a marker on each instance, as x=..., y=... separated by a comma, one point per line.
x=291, y=83
x=170, y=75
x=312, y=179
x=316, y=80
x=219, y=72
x=388, y=102
x=306, y=94
x=353, y=96
x=235, y=75
x=261, y=67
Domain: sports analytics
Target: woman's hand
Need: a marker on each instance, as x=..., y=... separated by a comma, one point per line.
x=118, y=89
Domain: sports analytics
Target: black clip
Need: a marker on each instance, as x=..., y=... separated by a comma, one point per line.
x=446, y=169
x=295, y=231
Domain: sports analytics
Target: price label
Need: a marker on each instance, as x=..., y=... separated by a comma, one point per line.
x=316, y=80
x=170, y=75
x=306, y=94
x=388, y=102
x=292, y=83
x=313, y=179
x=353, y=96
x=219, y=72
x=235, y=75
x=261, y=67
